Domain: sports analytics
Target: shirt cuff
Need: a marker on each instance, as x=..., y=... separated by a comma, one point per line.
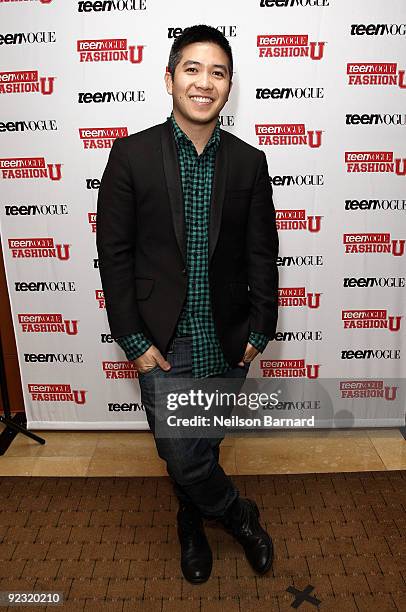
x=258, y=340
x=134, y=345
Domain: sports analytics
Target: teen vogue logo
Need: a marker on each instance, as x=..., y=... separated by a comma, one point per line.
x=289, y=45
x=92, y=183
x=297, y=220
x=40, y=125
x=298, y=180
x=25, y=81
x=36, y=209
x=360, y=389
x=91, y=217
x=299, y=336
x=38, y=248
x=375, y=161
x=21, y=38
x=368, y=73
x=288, y=368
x=375, y=119
x=100, y=97
x=397, y=282
x=370, y=319
x=47, y=323
x=378, y=29
x=99, y=293
x=45, y=286
x=367, y=204
x=229, y=31
x=101, y=138
x=119, y=369
x=373, y=243
x=53, y=358
x=297, y=296
x=300, y=260
x=369, y=353
x=287, y=134
x=298, y=93
x=87, y=6
x=29, y=167
x=56, y=393
x=109, y=50
x=294, y=3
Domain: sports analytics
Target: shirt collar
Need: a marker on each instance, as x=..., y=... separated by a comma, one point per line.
x=182, y=139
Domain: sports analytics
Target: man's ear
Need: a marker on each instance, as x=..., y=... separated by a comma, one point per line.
x=168, y=81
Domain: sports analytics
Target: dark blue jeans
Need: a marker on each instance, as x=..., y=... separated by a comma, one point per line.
x=192, y=463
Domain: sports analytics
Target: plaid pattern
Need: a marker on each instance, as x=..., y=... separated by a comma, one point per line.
x=134, y=345
x=196, y=320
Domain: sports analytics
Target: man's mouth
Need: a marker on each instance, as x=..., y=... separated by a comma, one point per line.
x=201, y=99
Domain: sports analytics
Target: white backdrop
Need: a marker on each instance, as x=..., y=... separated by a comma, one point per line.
x=65, y=96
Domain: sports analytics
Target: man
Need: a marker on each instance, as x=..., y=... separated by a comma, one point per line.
x=187, y=245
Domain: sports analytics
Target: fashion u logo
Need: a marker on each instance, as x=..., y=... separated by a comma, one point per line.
x=314, y=222
x=54, y=175
x=312, y=370
x=71, y=327
x=140, y=49
x=79, y=396
x=398, y=247
x=394, y=323
x=399, y=170
x=390, y=393
x=63, y=255
x=42, y=83
x=313, y=50
x=313, y=300
x=314, y=144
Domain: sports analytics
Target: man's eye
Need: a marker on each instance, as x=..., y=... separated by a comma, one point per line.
x=190, y=69
x=218, y=74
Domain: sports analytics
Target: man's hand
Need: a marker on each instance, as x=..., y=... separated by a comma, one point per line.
x=250, y=353
x=151, y=358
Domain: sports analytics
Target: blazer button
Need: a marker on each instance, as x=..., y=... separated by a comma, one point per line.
x=184, y=271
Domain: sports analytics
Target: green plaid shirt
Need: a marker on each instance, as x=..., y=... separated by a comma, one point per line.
x=196, y=319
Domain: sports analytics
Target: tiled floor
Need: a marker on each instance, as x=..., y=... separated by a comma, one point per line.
x=130, y=453
x=110, y=544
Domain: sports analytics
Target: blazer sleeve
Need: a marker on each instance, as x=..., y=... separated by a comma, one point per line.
x=115, y=242
x=262, y=249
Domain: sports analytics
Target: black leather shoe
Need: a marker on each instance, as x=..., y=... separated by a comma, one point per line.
x=242, y=521
x=196, y=556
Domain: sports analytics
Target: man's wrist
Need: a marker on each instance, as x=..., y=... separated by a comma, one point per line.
x=258, y=340
x=134, y=345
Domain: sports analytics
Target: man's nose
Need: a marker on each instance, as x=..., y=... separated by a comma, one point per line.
x=204, y=80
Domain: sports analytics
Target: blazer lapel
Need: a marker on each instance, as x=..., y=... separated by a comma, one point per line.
x=218, y=194
x=174, y=184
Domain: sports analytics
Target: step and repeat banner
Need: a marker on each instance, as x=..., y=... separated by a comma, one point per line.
x=319, y=86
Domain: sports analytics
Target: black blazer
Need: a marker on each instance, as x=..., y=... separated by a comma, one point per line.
x=141, y=240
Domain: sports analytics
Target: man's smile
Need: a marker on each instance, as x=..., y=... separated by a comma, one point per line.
x=201, y=99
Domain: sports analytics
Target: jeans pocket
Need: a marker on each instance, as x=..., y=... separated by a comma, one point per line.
x=151, y=371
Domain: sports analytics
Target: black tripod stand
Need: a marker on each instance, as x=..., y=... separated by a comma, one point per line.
x=13, y=425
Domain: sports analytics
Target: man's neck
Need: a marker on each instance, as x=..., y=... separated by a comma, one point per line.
x=199, y=134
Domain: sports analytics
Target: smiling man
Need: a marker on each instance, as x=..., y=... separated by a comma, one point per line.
x=187, y=245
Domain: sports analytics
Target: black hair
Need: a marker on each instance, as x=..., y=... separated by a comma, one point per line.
x=194, y=34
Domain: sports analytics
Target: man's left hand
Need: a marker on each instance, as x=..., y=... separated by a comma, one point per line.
x=250, y=353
